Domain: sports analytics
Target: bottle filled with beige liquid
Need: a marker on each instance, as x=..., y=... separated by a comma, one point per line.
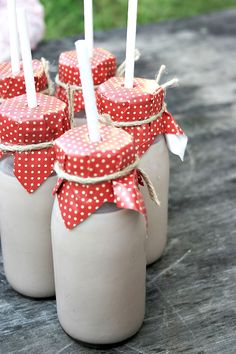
x=26, y=185
x=98, y=237
x=142, y=112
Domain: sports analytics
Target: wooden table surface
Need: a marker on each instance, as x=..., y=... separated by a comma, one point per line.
x=191, y=291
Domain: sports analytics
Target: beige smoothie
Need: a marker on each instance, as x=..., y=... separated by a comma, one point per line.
x=25, y=234
x=100, y=270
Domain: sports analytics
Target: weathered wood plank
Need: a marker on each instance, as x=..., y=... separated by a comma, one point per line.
x=191, y=297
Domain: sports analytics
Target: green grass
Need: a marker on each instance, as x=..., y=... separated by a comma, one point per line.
x=65, y=17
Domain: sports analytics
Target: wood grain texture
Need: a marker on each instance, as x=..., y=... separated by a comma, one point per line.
x=191, y=295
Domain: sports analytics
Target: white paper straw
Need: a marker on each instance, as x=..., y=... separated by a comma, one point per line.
x=13, y=37
x=26, y=58
x=88, y=25
x=130, y=43
x=88, y=90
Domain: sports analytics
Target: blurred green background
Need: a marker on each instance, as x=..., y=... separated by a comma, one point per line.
x=65, y=17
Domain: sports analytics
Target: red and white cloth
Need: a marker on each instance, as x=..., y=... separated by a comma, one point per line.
x=11, y=86
x=103, y=66
x=144, y=100
x=21, y=125
x=77, y=156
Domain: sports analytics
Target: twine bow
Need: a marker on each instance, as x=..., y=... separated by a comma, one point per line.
x=170, y=83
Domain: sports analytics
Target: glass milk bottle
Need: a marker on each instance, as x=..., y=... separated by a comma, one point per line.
x=26, y=184
x=142, y=112
x=98, y=237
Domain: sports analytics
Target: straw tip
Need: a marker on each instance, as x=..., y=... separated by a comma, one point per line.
x=175, y=81
x=80, y=43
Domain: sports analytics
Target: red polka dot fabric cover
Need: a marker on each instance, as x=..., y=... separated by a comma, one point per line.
x=11, y=86
x=103, y=66
x=78, y=156
x=20, y=125
x=142, y=101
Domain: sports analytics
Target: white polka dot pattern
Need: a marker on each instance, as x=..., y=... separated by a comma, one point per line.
x=142, y=101
x=11, y=86
x=21, y=125
x=103, y=66
x=78, y=156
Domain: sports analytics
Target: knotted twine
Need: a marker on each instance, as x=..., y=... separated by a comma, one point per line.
x=70, y=97
x=22, y=148
x=46, y=69
x=113, y=176
x=106, y=119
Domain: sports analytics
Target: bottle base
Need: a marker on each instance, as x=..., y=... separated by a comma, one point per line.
x=31, y=295
x=153, y=260
x=34, y=296
x=103, y=346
